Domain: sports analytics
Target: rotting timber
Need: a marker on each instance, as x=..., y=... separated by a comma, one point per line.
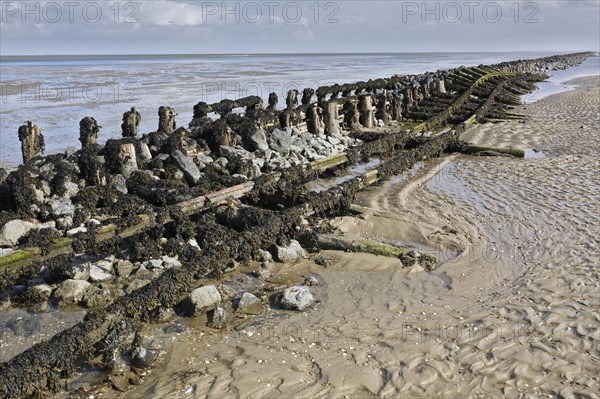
x=188, y=208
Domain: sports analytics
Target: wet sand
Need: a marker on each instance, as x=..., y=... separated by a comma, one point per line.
x=513, y=311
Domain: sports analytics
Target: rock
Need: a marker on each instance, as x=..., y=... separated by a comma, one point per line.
x=64, y=223
x=279, y=163
x=136, y=284
x=163, y=315
x=119, y=183
x=262, y=272
x=231, y=266
x=12, y=232
x=95, y=297
x=266, y=154
x=295, y=298
x=71, y=189
x=124, y=268
x=162, y=157
x=258, y=163
x=311, y=280
x=169, y=262
x=48, y=225
x=235, y=153
x=258, y=140
x=71, y=292
x=143, y=153
x=187, y=166
x=281, y=141
x=205, y=159
x=217, y=318
x=153, y=264
x=120, y=383
x=62, y=207
x=324, y=261
x=141, y=271
x=142, y=358
x=39, y=293
x=250, y=169
x=227, y=292
x=179, y=175
x=193, y=243
x=264, y=256
x=202, y=299
x=333, y=140
x=101, y=271
x=221, y=163
x=76, y=230
x=291, y=253
x=93, y=223
x=414, y=254
x=39, y=195
x=249, y=304
x=79, y=270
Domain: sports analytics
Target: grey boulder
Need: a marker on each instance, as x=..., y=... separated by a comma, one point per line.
x=281, y=141
x=187, y=166
x=12, y=232
x=71, y=292
x=249, y=304
x=291, y=253
x=202, y=299
x=258, y=140
x=101, y=271
x=296, y=298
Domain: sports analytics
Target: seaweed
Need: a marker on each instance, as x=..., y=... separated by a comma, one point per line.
x=42, y=238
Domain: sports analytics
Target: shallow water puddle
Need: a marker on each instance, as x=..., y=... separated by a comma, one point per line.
x=323, y=184
x=20, y=329
x=404, y=177
x=532, y=153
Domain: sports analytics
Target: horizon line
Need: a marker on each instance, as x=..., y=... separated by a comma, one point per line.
x=292, y=53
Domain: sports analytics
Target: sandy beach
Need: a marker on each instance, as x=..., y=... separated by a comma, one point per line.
x=511, y=312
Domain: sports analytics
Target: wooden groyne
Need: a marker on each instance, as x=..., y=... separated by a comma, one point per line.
x=141, y=198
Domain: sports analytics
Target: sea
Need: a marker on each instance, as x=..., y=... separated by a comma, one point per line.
x=56, y=92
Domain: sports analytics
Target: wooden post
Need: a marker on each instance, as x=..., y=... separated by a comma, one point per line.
x=351, y=115
x=273, y=99
x=331, y=117
x=131, y=122
x=32, y=141
x=292, y=99
x=307, y=95
x=365, y=107
x=166, y=120
x=88, y=132
x=313, y=119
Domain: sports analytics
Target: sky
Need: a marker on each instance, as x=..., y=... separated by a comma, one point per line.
x=213, y=27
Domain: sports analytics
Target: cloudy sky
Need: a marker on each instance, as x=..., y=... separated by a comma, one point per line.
x=196, y=27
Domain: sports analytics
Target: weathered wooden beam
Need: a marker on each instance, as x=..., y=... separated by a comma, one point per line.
x=474, y=149
x=349, y=244
x=459, y=102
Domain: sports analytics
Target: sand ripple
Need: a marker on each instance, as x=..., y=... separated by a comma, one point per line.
x=513, y=312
